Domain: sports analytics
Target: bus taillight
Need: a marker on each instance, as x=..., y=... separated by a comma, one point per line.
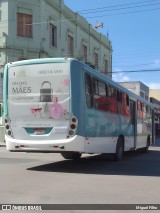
x=9, y=132
x=74, y=120
x=71, y=132
x=73, y=127
x=7, y=125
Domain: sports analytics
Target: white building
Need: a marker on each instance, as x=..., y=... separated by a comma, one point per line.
x=48, y=28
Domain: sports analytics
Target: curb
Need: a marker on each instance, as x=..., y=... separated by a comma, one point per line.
x=2, y=144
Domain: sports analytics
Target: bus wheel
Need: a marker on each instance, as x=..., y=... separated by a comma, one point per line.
x=71, y=155
x=145, y=149
x=119, y=150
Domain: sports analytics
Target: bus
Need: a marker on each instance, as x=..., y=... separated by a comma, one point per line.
x=62, y=105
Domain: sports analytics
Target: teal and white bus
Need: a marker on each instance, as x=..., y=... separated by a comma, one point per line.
x=62, y=105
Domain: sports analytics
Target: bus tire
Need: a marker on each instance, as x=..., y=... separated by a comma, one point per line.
x=119, y=154
x=145, y=149
x=71, y=155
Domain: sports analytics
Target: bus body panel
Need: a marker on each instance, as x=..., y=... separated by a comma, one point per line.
x=78, y=96
x=5, y=90
x=73, y=144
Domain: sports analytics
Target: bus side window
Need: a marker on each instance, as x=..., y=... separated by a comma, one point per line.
x=112, y=93
x=113, y=103
x=127, y=100
x=119, y=99
x=88, y=90
x=139, y=106
x=100, y=92
x=143, y=108
x=139, y=109
x=148, y=111
x=125, y=105
x=119, y=96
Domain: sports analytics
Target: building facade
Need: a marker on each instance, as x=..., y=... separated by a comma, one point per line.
x=48, y=28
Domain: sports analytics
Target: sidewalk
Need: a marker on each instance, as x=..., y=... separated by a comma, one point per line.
x=2, y=144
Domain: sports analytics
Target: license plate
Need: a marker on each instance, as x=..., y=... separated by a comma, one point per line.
x=39, y=131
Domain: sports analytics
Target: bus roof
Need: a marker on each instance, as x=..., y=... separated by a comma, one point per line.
x=39, y=61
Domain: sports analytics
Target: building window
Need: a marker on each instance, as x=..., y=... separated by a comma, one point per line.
x=142, y=94
x=84, y=49
x=70, y=46
x=53, y=35
x=96, y=60
x=24, y=25
x=146, y=97
x=105, y=66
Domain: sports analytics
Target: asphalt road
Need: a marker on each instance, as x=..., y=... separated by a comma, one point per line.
x=33, y=178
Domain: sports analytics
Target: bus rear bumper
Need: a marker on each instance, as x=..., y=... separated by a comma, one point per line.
x=75, y=143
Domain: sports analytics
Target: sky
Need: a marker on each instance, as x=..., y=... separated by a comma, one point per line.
x=133, y=27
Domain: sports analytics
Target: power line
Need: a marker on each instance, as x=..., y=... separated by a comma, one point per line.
x=81, y=11
x=131, y=56
x=130, y=60
x=122, y=8
x=136, y=65
x=124, y=13
x=131, y=71
x=135, y=52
